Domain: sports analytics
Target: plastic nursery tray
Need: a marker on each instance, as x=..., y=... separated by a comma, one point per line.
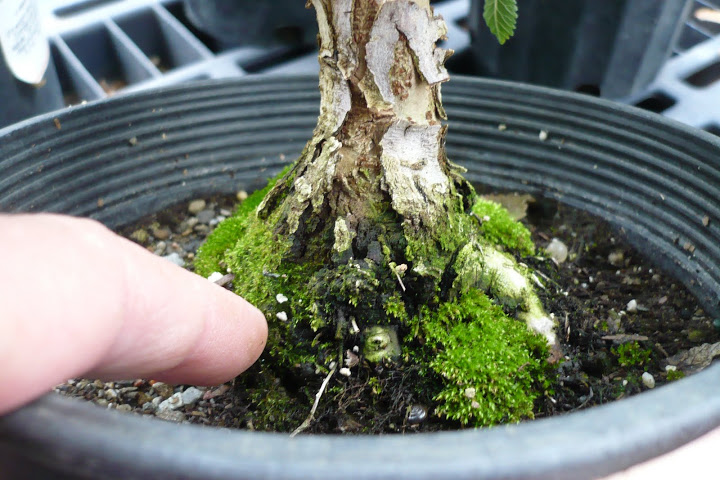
x=102, y=47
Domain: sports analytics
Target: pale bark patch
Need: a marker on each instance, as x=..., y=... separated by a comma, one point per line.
x=420, y=28
x=413, y=174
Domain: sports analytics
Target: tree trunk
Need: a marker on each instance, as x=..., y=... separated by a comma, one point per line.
x=373, y=186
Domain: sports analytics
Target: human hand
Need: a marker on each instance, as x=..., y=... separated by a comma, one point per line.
x=78, y=300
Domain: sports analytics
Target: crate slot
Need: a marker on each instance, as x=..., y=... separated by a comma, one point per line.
x=657, y=102
x=705, y=76
x=75, y=81
x=159, y=40
x=178, y=12
x=712, y=128
x=109, y=59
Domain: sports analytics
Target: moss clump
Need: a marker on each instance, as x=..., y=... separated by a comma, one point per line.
x=211, y=255
x=498, y=227
x=493, y=366
x=479, y=365
x=632, y=354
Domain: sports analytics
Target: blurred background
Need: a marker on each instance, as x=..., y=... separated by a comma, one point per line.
x=660, y=55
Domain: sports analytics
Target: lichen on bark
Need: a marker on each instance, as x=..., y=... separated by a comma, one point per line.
x=373, y=218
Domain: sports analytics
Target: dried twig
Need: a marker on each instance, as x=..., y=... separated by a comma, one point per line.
x=318, y=395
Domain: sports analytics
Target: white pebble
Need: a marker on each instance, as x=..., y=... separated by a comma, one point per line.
x=281, y=298
x=648, y=380
x=282, y=316
x=175, y=258
x=172, y=403
x=632, y=306
x=191, y=395
x=543, y=135
x=215, y=276
x=670, y=368
x=344, y=372
x=557, y=250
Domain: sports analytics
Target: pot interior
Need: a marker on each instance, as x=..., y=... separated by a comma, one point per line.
x=117, y=160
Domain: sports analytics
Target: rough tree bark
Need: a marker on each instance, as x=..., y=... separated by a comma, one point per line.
x=374, y=188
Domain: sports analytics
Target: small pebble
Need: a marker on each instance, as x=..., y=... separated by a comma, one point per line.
x=172, y=403
x=175, y=258
x=281, y=298
x=139, y=235
x=196, y=206
x=215, y=276
x=242, y=195
x=648, y=380
x=124, y=408
x=171, y=416
x=417, y=414
x=160, y=248
x=163, y=389
x=161, y=233
x=632, y=306
x=345, y=372
x=557, y=250
x=191, y=395
x=616, y=258
x=205, y=216
x=543, y=135
x=282, y=316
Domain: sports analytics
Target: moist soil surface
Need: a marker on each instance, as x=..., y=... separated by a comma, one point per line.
x=621, y=321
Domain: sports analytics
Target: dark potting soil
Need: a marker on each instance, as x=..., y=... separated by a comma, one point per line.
x=620, y=320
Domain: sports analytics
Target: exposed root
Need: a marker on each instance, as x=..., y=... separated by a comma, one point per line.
x=318, y=396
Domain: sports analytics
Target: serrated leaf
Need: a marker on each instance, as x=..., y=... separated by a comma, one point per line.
x=501, y=17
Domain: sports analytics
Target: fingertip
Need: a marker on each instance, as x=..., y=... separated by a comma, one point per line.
x=233, y=338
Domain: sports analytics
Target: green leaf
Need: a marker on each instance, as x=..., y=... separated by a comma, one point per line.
x=501, y=17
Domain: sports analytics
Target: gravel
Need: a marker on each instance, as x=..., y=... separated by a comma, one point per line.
x=191, y=395
x=196, y=206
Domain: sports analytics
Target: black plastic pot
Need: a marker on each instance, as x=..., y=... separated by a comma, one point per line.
x=653, y=179
x=250, y=22
x=611, y=48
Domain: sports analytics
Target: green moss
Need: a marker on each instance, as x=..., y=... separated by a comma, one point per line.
x=498, y=227
x=211, y=255
x=675, y=374
x=631, y=354
x=395, y=308
x=493, y=366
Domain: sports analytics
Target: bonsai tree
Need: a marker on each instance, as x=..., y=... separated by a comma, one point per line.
x=372, y=254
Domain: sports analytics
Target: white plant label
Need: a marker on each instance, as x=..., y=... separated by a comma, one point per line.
x=23, y=44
